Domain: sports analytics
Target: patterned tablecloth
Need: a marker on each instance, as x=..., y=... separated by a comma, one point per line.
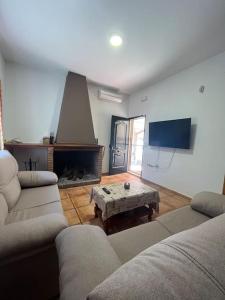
x=121, y=200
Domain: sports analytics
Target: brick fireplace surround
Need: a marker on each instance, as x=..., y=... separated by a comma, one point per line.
x=45, y=154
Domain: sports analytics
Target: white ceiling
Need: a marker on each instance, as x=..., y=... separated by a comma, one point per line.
x=161, y=37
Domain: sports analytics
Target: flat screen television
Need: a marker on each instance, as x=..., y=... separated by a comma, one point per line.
x=170, y=134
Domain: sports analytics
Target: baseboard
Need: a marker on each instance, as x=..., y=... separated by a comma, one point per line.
x=166, y=188
x=139, y=176
x=105, y=174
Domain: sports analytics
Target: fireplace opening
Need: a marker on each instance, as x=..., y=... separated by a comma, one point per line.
x=77, y=167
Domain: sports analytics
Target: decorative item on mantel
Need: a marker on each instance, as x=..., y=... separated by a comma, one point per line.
x=46, y=140
x=52, y=138
x=14, y=141
x=49, y=139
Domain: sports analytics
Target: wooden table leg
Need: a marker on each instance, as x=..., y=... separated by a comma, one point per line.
x=150, y=212
x=98, y=214
x=96, y=210
x=106, y=226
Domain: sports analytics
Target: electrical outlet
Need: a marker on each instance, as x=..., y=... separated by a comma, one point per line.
x=153, y=166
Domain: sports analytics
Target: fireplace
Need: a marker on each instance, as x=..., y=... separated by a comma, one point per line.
x=86, y=160
x=76, y=167
x=76, y=156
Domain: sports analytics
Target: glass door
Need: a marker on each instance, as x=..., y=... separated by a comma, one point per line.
x=136, y=143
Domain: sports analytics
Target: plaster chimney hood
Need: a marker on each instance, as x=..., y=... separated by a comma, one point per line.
x=75, y=121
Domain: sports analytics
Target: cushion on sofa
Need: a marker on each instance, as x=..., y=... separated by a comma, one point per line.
x=34, y=212
x=37, y=196
x=9, y=183
x=36, y=178
x=188, y=265
x=36, y=202
x=181, y=219
x=86, y=258
x=3, y=210
x=209, y=203
x=128, y=243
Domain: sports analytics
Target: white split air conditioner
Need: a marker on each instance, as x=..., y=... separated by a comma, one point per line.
x=108, y=96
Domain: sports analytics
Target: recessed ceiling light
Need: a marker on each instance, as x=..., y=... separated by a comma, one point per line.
x=116, y=40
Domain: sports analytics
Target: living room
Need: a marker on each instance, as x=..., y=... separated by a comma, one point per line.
x=112, y=149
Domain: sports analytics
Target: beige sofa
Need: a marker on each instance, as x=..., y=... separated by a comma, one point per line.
x=31, y=216
x=180, y=255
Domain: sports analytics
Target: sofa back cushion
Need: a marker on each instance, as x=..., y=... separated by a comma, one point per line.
x=9, y=183
x=188, y=265
x=209, y=203
x=3, y=210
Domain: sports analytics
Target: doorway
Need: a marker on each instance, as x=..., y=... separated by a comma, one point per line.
x=136, y=143
x=126, y=145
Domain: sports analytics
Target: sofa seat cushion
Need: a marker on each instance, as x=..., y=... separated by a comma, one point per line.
x=34, y=212
x=130, y=242
x=86, y=258
x=38, y=196
x=181, y=219
x=189, y=265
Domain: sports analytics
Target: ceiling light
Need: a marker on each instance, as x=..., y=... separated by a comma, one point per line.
x=116, y=41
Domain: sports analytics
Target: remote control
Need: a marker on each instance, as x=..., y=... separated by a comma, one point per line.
x=106, y=190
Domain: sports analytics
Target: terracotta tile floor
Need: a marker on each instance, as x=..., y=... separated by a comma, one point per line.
x=79, y=210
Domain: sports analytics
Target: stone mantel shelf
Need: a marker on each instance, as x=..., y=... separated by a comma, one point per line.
x=54, y=146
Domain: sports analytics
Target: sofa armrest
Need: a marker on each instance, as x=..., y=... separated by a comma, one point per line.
x=17, y=238
x=30, y=179
x=86, y=258
x=209, y=203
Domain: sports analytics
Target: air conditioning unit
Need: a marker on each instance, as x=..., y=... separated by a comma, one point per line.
x=108, y=96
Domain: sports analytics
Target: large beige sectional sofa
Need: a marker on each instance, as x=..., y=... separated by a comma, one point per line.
x=31, y=216
x=180, y=255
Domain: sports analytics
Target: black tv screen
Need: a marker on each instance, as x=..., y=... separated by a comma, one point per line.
x=170, y=134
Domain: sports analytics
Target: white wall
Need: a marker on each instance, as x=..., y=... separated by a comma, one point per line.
x=102, y=112
x=203, y=167
x=2, y=72
x=33, y=101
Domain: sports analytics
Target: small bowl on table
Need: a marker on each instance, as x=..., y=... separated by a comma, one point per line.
x=126, y=185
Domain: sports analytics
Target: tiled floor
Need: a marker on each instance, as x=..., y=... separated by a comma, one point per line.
x=79, y=210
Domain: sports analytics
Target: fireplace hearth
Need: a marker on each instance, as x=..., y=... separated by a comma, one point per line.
x=76, y=167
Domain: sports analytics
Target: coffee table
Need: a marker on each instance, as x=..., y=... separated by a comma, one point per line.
x=121, y=200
